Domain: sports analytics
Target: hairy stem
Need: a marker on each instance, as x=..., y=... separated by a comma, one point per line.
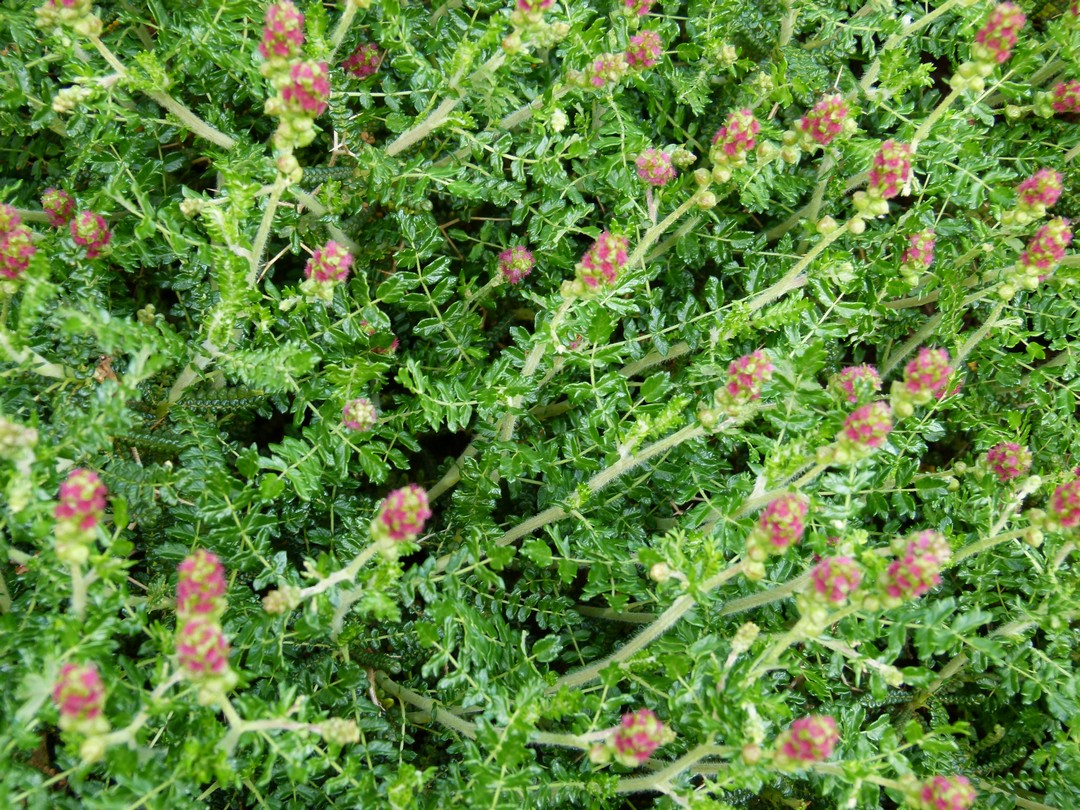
x=265, y=224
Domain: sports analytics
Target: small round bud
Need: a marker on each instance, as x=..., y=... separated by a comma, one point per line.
x=751, y=754
x=660, y=572
x=827, y=225
x=706, y=200
x=857, y=225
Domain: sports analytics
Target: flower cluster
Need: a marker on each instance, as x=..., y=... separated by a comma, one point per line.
x=605, y=69
x=644, y=50
x=530, y=12
x=516, y=263
x=809, y=739
x=16, y=244
x=864, y=431
x=855, y=383
x=638, y=8
x=890, y=170
x=834, y=579
x=780, y=526
x=283, y=37
x=78, y=513
x=732, y=142
x=654, y=167
x=327, y=267
x=78, y=15
x=90, y=231
x=919, y=256
x=916, y=569
x=1065, y=505
x=59, y=207
x=1065, y=97
x=1008, y=460
x=364, y=61
x=359, y=415
x=926, y=378
x=826, y=121
x=994, y=42
x=401, y=515
x=603, y=262
x=201, y=647
x=1034, y=196
x=303, y=95
x=200, y=587
x=633, y=741
x=747, y=376
x=79, y=696
x=942, y=793
x=1043, y=254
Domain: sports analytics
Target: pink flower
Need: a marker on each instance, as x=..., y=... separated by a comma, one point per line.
x=946, y=793
x=747, y=375
x=810, y=739
x=825, y=121
x=604, y=261
x=638, y=7
x=360, y=415
x=1039, y=192
x=917, y=569
x=516, y=263
x=927, y=376
x=534, y=7
x=1065, y=504
x=737, y=137
x=920, y=252
x=79, y=695
x=645, y=49
x=283, y=35
x=1047, y=247
x=202, y=649
x=926, y=543
x=635, y=739
x=364, y=61
x=90, y=231
x=9, y=218
x=654, y=167
x=200, y=589
x=402, y=515
x=866, y=427
x=834, y=579
x=329, y=263
x=780, y=526
x=995, y=41
x=605, y=69
x=308, y=89
x=856, y=382
x=889, y=170
x=1066, y=96
x=1008, y=460
x=16, y=250
x=59, y=207
x=82, y=500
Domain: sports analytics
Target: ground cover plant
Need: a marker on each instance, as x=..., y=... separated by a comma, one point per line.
x=611, y=404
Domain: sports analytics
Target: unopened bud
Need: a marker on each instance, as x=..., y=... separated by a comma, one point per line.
x=857, y=225
x=706, y=200
x=660, y=572
x=826, y=225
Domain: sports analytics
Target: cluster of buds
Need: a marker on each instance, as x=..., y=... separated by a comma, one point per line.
x=91, y=232
x=926, y=378
x=780, y=526
x=916, y=569
x=864, y=431
x=282, y=40
x=401, y=516
x=834, y=579
x=746, y=378
x=359, y=415
x=79, y=697
x=338, y=731
x=529, y=12
x=633, y=741
x=201, y=647
x=529, y=25
x=364, y=61
x=303, y=95
x=515, y=264
x=890, y=171
x=601, y=265
x=327, y=267
x=1033, y=197
x=855, y=383
x=654, y=167
x=732, y=142
x=918, y=257
x=605, y=69
x=644, y=50
x=78, y=15
x=78, y=513
x=939, y=793
x=59, y=207
x=993, y=46
x=283, y=600
x=808, y=740
x=1064, y=510
x=16, y=244
x=1008, y=460
x=1065, y=97
x=636, y=8
x=827, y=120
x=1043, y=254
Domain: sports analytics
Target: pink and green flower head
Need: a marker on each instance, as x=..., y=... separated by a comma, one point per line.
x=825, y=121
x=994, y=42
x=1065, y=97
x=654, y=167
x=1046, y=248
x=637, y=7
x=605, y=69
x=402, y=515
x=329, y=263
x=534, y=7
x=945, y=793
x=81, y=504
x=856, y=383
x=746, y=378
x=834, y=579
x=636, y=738
x=644, y=50
x=79, y=695
x=927, y=376
x=604, y=261
x=735, y=138
x=364, y=61
x=1065, y=505
x=200, y=588
x=283, y=34
x=927, y=543
x=889, y=170
x=9, y=218
x=360, y=415
x=16, y=251
x=780, y=526
x=912, y=574
x=1039, y=192
x=202, y=649
x=920, y=252
x=90, y=231
x=810, y=739
x=867, y=427
x=1008, y=460
x=59, y=207
x=307, y=91
x=515, y=264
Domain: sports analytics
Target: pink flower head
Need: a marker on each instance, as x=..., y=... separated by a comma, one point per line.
x=534, y=7
x=82, y=500
x=635, y=739
x=202, y=649
x=834, y=579
x=330, y=263
x=308, y=89
x=825, y=121
x=200, y=589
x=16, y=250
x=856, y=382
x=59, y=207
x=866, y=427
x=1065, y=504
x=645, y=49
x=946, y=793
x=927, y=543
x=364, y=61
x=90, y=231
x=737, y=137
x=920, y=252
x=927, y=376
x=1008, y=460
x=995, y=41
x=889, y=170
x=516, y=263
x=654, y=167
x=604, y=261
x=360, y=415
x=605, y=69
x=1047, y=247
x=780, y=526
x=638, y=7
x=402, y=515
x=283, y=35
x=747, y=375
x=79, y=695
x=1039, y=192
x=917, y=568
x=810, y=739
x=9, y=218
x=1066, y=96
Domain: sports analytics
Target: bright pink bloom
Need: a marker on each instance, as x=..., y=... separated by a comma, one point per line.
x=90, y=231
x=331, y=262
x=917, y=568
x=360, y=415
x=946, y=793
x=737, y=137
x=889, y=170
x=534, y=6
x=867, y=426
x=604, y=261
x=638, y=7
x=747, y=375
x=308, y=90
x=920, y=252
x=1065, y=504
x=995, y=41
x=605, y=69
x=835, y=578
x=645, y=49
x=283, y=36
x=856, y=382
x=825, y=121
x=516, y=263
x=1008, y=460
x=635, y=739
x=202, y=649
x=9, y=218
x=780, y=526
x=1047, y=247
x=16, y=250
x=1039, y=192
x=925, y=543
x=82, y=500
x=79, y=695
x=59, y=207
x=364, y=61
x=810, y=739
x=200, y=589
x=654, y=167
x=1066, y=96
x=927, y=376
x=402, y=515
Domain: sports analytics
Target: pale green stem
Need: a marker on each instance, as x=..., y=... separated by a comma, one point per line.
x=582, y=742
x=30, y=215
x=656, y=231
x=474, y=299
x=768, y=659
x=346, y=574
x=614, y=615
x=853, y=654
x=909, y=346
x=774, y=594
x=342, y=29
x=810, y=210
x=452, y=475
x=750, y=504
x=1072, y=153
x=312, y=203
x=5, y=595
x=933, y=118
x=874, y=70
x=265, y=224
x=980, y=333
x=985, y=543
x=658, y=781
x=654, y=358
x=127, y=734
x=462, y=727
x=42, y=366
x=78, y=592
x=835, y=770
